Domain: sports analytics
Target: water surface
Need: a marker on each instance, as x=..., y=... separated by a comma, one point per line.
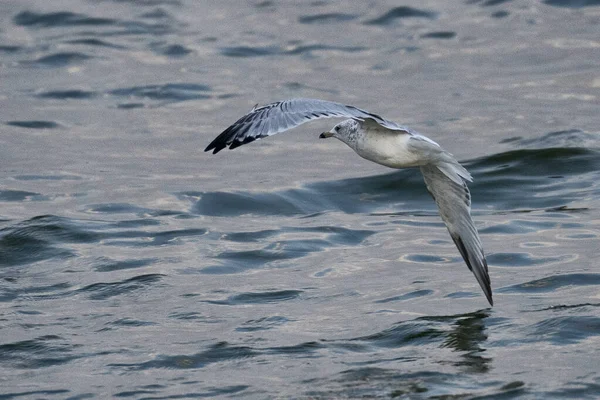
x=134, y=265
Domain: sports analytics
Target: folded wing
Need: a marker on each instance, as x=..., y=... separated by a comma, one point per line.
x=283, y=115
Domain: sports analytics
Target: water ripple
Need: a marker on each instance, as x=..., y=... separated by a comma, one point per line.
x=401, y=12
x=552, y=283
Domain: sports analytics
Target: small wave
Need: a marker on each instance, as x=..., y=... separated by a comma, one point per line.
x=41, y=352
x=18, y=195
x=326, y=18
x=439, y=35
x=170, y=50
x=572, y=3
x=103, y=291
x=267, y=297
x=58, y=19
x=488, y=3
x=566, y=329
x=526, y=259
x=553, y=283
x=67, y=94
x=34, y=124
x=61, y=59
x=165, y=92
x=248, y=51
x=401, y=12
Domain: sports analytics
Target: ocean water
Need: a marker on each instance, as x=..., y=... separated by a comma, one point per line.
x=134, y=265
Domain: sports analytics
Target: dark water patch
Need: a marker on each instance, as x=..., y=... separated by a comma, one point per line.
x=462, y=295
x=308, y=49
x=18, y=195
x=401, y=12
x=67, y=94
x=158, y=13
x=218, y=352
x=426, y=259
x=268, y=297
x=262, y=324
x=567, y=329
x=306, y=349
x=150, y=3
x=47, y=177
x=247, y=51
x=572, y=3
x=500, y=14
x=136, y=223
x=139, y=28
x=95, y=43
x=408, y=296
x=110, y=266
x=103, y=291
x=194, y=316
x=553, y=283
x=41, y=352
x=206, y=393
x=130, y=106
x=488, y=3
x=165, y=92
x=326, y=18
x=439, y=35
x=170, y=50
x=10, y=49
x=580, y=236
x=34, y=124
x=576, y=307
x=128, y=322
x=38, y=394
x=62, y=59
x=524, y=259
x=58, y=19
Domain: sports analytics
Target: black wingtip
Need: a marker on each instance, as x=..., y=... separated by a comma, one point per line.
x=215, y=147
x=484, y=282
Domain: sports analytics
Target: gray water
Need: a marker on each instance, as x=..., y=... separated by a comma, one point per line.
x=134, y=265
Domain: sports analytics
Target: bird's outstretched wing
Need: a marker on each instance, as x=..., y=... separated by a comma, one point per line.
x=283, y=115
x=454, y=202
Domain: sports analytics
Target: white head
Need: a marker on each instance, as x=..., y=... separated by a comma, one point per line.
x=347, y=131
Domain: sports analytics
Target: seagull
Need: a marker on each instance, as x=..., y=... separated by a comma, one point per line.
x=383, y=142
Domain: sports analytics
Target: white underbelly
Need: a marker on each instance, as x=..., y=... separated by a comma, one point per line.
x=389, y=149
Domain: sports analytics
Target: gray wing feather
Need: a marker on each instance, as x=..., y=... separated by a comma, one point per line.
x=283, y=115
x=454, y=203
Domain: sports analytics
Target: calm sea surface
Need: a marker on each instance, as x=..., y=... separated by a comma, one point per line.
x=134, y=265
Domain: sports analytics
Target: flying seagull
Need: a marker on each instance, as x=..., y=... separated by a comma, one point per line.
x=386, y=143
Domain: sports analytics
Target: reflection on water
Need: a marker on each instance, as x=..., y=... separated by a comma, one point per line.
x=133, y=265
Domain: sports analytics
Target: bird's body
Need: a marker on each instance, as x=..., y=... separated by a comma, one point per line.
x=390, y=149
x=383, y=142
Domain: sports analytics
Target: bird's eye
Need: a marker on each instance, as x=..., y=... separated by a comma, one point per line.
x=337, y=128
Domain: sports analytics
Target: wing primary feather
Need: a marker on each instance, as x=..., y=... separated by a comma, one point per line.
x=280, y=116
